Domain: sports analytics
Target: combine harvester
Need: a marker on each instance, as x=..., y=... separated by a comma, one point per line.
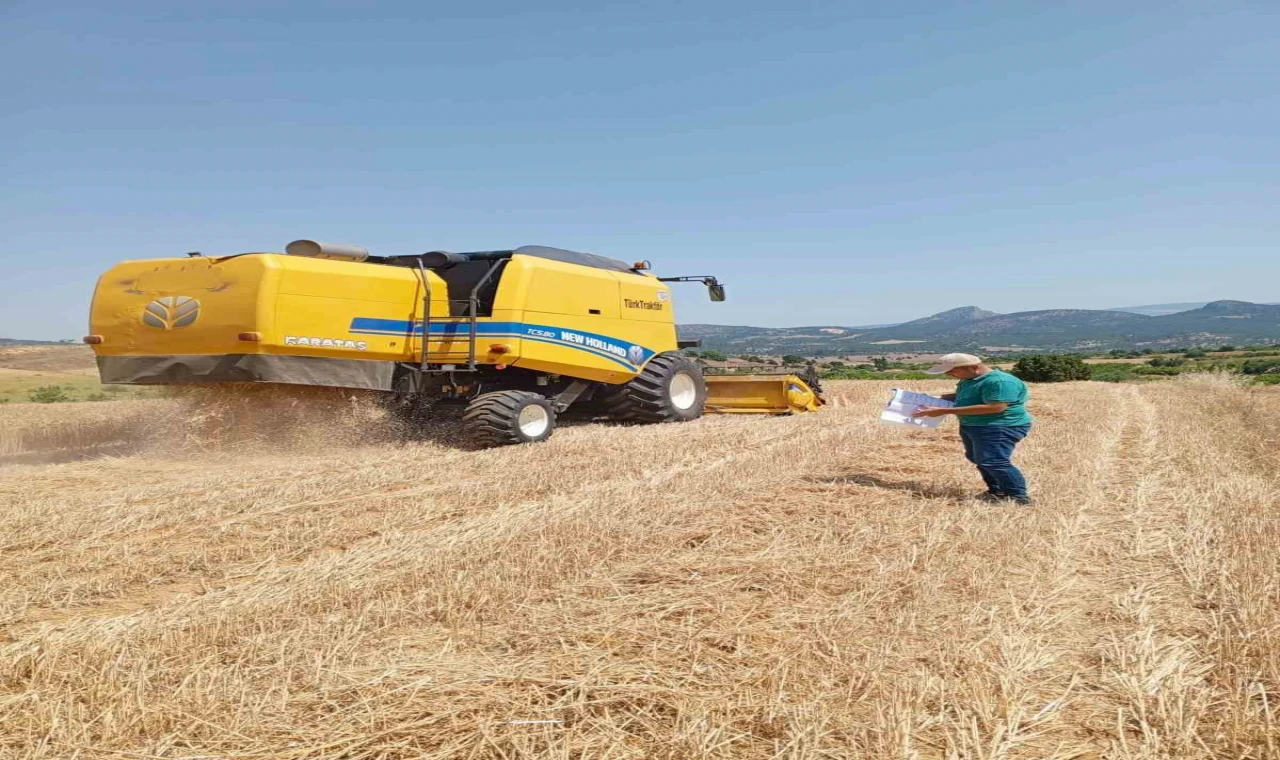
x=517, y=336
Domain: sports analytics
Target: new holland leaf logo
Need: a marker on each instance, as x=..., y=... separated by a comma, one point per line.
x=171, y=313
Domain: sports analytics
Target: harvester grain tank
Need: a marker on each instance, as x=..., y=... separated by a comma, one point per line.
x=518, y=335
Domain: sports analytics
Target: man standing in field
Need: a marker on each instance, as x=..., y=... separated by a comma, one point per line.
x=991, y=405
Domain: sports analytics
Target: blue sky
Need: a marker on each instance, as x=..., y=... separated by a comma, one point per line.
x=834, y=163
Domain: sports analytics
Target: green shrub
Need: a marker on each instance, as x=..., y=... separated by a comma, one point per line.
x=1221, y=349
x=1163, y=362
x=1164, y=371
x=1195, y=353
x=792, y=359
x=850, y=373
x=97, y=397
x=1111, y=373
x=1261, y=367
x=1051, y=369
x=48, y=394
x=1267, y=379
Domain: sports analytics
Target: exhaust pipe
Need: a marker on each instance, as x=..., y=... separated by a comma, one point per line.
x=436, y=259
x=335, y=251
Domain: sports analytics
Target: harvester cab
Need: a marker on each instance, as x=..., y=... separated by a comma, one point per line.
x=518, y=336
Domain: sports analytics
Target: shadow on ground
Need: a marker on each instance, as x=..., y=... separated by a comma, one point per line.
x=442, y=425
x=62, y=456
x=925, y=490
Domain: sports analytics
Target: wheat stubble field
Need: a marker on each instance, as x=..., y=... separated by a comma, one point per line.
x=812, y=587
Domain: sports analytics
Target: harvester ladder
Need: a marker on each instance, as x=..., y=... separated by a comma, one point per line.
x=470, y=317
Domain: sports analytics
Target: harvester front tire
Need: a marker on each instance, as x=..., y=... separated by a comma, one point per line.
x=670, y=388
x=503, y=418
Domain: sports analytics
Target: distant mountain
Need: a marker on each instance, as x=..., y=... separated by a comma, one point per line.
x=740, y=339
x=1160, y=309
x=959, y=316
x=972, y=328
x=20, y=342
x=1052, y=327
x=1235, y=309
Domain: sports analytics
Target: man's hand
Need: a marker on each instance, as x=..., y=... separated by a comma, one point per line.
x=931, y=411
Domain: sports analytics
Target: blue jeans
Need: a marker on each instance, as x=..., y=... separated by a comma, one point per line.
x=990, y=447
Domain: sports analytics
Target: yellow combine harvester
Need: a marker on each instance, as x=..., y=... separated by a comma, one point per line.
x=518, y=336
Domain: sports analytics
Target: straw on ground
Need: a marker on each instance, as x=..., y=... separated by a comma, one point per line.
x=816, y=586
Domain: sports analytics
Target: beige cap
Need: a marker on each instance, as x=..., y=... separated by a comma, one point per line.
x=951, y=361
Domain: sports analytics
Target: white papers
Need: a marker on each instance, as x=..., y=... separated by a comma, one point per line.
x=900, y=407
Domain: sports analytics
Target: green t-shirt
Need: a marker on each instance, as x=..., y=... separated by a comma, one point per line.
x=990, y=388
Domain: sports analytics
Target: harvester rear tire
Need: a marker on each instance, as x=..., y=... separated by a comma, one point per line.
x=503, y=418
x=670, y=388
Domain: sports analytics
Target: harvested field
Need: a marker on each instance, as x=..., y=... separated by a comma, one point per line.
x=16, y=385
x=75, y=359
x=814, y=586
x=23, y=369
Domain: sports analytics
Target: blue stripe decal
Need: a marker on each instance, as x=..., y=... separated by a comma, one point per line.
x=626, y=363
x=623, y=362
x=629, y=355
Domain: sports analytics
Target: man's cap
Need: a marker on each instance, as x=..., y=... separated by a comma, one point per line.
x=951, y=361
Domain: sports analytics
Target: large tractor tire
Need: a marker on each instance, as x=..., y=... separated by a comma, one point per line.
x=503, y=418
x=670, y=388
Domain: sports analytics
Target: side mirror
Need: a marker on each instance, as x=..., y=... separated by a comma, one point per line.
x=716, y=291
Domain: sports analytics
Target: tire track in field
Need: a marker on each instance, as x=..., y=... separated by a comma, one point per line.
x=1108, y=609
x=1089, y=547
x=1146, y=656
x=1038, y=655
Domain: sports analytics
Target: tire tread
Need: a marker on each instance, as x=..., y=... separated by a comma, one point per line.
x=644, y=399
x=491, y=419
